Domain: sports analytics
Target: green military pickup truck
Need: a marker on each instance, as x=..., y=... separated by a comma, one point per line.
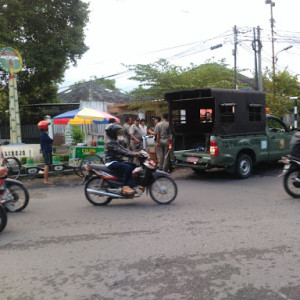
x=216, y=128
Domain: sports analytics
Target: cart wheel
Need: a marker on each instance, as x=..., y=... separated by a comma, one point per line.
x=14, y=167
x=93, y=159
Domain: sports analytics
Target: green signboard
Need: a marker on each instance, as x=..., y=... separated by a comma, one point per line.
x=77, y=153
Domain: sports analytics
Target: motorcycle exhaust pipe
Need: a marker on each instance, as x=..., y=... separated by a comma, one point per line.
x=102, y=193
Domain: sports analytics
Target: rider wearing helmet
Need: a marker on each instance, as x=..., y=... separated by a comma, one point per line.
x=114, y=153
x=46, y=148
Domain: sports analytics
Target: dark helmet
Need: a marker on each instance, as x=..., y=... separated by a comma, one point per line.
x=112, y=130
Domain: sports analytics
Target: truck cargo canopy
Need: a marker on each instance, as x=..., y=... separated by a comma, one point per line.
x=235, y=112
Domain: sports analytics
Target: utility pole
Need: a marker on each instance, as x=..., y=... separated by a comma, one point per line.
x=255, y=57
x=259, y=45
x=273, y=40
x=234, y=54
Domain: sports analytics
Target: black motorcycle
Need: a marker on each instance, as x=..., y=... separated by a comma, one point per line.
x=291, y=179
x=103, y=185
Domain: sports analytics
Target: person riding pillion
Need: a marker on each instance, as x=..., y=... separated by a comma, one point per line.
x=114, y=153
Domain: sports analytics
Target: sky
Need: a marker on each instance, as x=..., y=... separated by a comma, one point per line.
x=130, y=32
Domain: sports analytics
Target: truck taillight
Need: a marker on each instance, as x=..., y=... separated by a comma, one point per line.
x=170, y=144
x=213, y=149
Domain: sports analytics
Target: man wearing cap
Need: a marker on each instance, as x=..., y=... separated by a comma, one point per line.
x=136, y=135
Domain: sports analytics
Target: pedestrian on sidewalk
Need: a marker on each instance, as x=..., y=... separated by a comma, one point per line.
x=46, y=148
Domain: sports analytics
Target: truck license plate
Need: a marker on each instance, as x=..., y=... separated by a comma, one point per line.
x=192, y=159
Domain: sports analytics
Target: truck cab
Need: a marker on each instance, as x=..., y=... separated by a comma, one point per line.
x=224, y=129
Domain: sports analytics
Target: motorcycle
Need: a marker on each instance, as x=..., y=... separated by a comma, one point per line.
x=291, y=173
x=14, y=197
x=103, y=185
x=3, y=218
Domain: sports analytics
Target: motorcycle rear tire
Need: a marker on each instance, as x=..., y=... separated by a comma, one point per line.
x=3, y=218
x=94, y=183
x=167, y=194
x=290, y=185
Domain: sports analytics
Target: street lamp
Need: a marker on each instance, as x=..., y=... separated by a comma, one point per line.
x=284, y=49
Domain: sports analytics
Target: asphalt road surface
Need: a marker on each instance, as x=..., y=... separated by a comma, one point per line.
x=222, y=238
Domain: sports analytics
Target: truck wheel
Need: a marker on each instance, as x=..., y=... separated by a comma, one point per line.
x=243, y=166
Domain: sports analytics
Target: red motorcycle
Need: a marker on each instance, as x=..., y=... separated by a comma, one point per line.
x=103, y=185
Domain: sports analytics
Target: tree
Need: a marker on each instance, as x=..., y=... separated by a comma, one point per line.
x=49, y=35
x=286, y=86
x=161, y=77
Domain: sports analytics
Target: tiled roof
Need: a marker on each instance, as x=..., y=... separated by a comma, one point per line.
x=92, y=91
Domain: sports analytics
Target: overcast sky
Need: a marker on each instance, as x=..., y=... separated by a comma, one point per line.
x=182, y=31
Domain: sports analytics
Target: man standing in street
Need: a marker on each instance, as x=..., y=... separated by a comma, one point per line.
x=136, y=142
x=46, y=148
x=162, y=130
x=157, y=120
x=126, y=128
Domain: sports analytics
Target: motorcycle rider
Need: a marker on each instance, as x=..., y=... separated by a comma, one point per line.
x=295, y=145
x=114, y=152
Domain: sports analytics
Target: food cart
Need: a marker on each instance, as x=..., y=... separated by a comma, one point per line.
x=79, y=153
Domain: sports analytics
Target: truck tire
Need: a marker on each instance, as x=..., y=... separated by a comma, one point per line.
x=243, y=166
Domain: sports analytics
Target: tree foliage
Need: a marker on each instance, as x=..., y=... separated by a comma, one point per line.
x=278, y=94
x=160, y=77
x=49, y=35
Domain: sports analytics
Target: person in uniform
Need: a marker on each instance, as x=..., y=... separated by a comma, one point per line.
x=157, y=119
x=162, y=130
x=126, y=128
x=136, y=142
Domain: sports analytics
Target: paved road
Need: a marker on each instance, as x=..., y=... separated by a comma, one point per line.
x=222, y=238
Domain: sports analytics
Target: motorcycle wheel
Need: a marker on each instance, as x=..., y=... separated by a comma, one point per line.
x=291, y=186
x=20, y=194
x=3, y=218
x=94, y=184
x=163, y=190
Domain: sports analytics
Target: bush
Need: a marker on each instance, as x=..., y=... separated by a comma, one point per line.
x=61, y=157
x=77, y=134
x=23, y=160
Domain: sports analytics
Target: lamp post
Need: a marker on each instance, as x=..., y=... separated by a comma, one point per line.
x=295, y=111
x=284, y=49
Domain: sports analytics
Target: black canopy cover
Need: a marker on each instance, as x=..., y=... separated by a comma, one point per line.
x=236, y=112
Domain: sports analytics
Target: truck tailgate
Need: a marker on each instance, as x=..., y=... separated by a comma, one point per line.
x=192, y=156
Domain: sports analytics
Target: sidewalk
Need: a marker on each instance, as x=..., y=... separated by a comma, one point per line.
x=71, y=179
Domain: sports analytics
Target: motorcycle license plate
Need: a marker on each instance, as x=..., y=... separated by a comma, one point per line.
x=192, y=159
